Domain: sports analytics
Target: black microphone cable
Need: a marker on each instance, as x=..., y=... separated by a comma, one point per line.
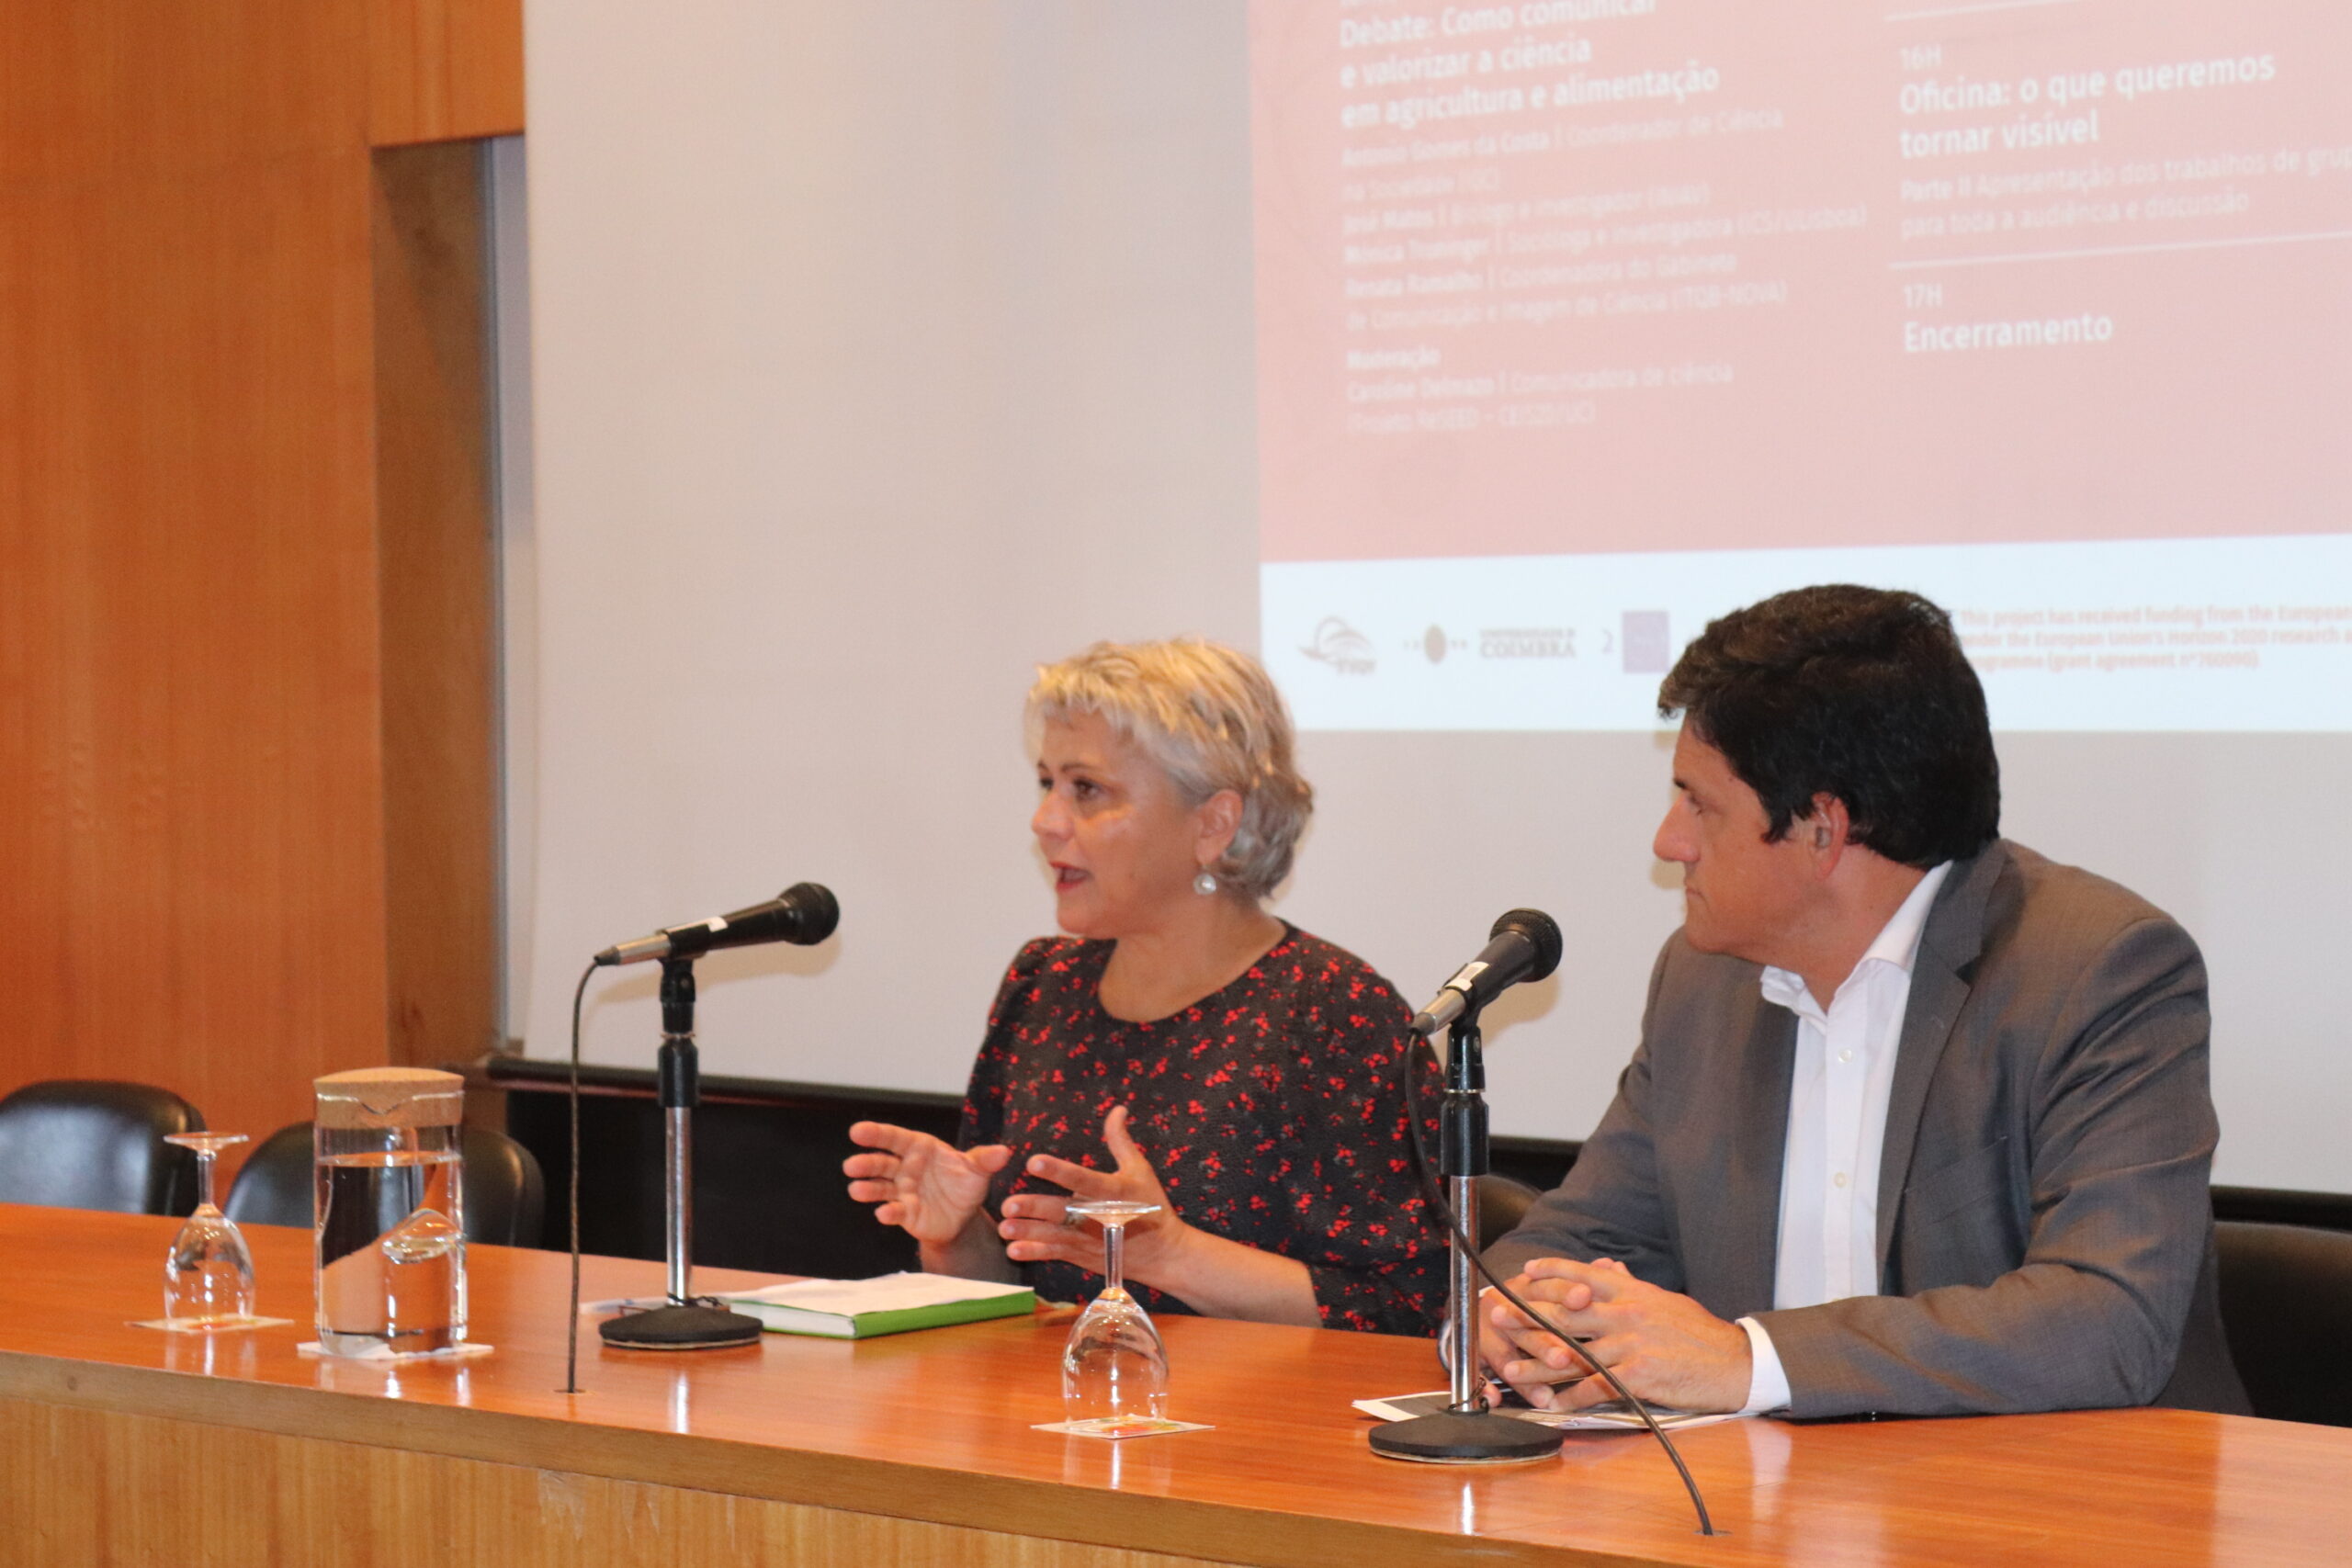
x=1433, y=1195
x=571, y=1326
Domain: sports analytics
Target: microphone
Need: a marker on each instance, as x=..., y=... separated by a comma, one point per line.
x=1524, y=945
x=803, y=914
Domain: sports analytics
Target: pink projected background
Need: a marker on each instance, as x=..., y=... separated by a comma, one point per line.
x=1560, y=277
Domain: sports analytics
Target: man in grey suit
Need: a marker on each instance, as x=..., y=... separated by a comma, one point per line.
x=1919, y=1122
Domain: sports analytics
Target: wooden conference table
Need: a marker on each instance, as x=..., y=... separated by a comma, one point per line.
x=124, y=1445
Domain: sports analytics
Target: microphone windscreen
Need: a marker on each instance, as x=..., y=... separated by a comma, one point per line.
x=819, y=912
x=1542, y=931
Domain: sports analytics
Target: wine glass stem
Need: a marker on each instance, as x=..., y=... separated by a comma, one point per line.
x=204, y=1179
x=1115, y=1239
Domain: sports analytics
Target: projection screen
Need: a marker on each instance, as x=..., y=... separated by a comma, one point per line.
x=1461, y=360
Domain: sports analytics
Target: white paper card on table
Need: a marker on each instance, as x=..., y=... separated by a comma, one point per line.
x=228, y=1325
x=382, y=1354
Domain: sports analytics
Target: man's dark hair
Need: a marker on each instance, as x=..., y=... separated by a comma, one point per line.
x=1858, y=693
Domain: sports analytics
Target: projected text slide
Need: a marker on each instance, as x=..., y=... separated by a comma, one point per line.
x=1672, y=277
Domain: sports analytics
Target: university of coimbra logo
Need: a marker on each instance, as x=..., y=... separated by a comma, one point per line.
x=1341, y=646
x=1527, y=642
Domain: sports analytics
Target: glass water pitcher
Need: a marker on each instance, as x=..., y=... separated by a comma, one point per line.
x=391, y=1210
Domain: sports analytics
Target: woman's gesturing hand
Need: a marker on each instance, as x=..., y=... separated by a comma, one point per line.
x=928, y=1188
x=1034, y=1228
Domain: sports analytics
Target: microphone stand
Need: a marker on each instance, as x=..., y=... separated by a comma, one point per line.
x=1465, y=1431
x=685, y=1324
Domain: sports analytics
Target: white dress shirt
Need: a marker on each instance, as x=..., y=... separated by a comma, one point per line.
x=1837, y=1095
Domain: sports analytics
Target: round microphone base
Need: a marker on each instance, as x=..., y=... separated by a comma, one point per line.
x=681, y=1329
x=1450, y=1436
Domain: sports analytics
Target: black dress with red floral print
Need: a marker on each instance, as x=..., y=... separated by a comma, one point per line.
x=1273, y=1111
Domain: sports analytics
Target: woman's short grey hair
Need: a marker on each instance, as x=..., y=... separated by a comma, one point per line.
x=1209, y=716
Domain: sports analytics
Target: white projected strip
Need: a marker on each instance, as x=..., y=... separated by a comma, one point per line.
x=2177, y=634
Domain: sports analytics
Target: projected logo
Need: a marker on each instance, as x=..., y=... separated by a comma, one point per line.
x=1436, y=643
x=1648, y=650
x=1527, y=642
x=1347, y=650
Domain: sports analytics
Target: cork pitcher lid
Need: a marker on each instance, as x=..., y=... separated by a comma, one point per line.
x=391, y=1096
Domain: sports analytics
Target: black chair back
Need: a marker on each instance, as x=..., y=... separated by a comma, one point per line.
x=94, y=1144
x=1502, y=1200
x=274, y=1185
x=505, y=1195
x=2287, y=1308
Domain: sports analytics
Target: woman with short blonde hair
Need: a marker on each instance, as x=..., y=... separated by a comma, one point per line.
x=1213, y=720
x=1254, y=1081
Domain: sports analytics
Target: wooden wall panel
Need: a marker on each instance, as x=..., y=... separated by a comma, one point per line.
x=434, y=515
x=199, y=864
x=192, y=868
x=122, y=88
x=441, y=70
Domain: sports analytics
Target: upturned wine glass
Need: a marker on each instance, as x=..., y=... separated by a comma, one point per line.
x=1114, y=1368
x=209, y=1277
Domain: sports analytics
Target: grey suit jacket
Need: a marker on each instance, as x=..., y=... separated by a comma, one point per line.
x=2043, y=1216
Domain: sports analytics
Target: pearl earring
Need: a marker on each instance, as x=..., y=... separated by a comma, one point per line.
x=1206, y=883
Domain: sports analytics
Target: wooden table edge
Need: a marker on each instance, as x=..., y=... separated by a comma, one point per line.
x=1215, y=1532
